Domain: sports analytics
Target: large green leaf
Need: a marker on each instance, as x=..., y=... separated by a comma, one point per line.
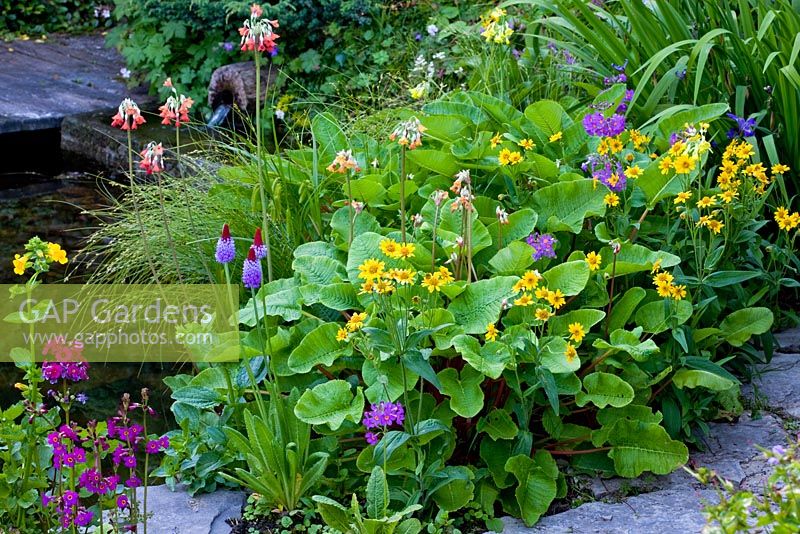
x=740, y=325
x=319, y=347
x=558, y=325
x=437, y=161
x=490, y=359
x=639, y=447
x=636, y=258
x=498, y=424
x=548, y=116
x=658, y=316
x=513, y=259
x=466, y=396
x=570, y=277
x=520, y=225
x=564, y=206
x=481, y=302
x=624, y=307
x=657, y=186
x=328, y=136
x=536, y=489
x=377, y=493
x=553, y=357
x=330, y=404
x=604, y=389
x=318, y=270
x=693, y=378
x=628, y=342
x=339, y=297
x=454, y=489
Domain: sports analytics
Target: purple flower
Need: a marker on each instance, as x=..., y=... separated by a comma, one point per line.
x=744, y=127
x=122, y=501
x=258, y=245
x=72, y=371
x=680, y=74
x=569, y=58
x=82, y=398
x=93, y=481
x=83, y=518
x=133, y=482
x=418, y=37
x=543, y=245
x=598, y=125
x=371, y=438
x=226, y=251
x=227, y=46
x=70, y=498
x=384, y=414
x=251, y=271
x=47, y=499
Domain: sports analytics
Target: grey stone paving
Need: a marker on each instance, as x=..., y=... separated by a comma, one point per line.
x=178, y=513
x=44, y=82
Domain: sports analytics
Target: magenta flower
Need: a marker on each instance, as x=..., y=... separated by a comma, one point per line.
x=226, y=251
x=83, y=518
x=122, y=501
x=258, y=245
x=543, y=245
x=382, y=415
x=251, y=271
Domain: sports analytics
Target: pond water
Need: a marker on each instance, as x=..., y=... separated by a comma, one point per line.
x=49, y=197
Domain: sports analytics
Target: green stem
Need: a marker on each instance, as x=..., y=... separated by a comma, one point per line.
x=403, y=192
x=261, y=181
x=259, y=401
x=136, y=208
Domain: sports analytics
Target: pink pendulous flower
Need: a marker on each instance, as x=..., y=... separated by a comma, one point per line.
x=176, y=109
x=128, y=116
x=152, y=158
x=257, y=33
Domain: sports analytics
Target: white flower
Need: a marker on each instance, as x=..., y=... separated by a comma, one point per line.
x=125, y=73
x=439, y=55
x=280, y=114
x=432, y=30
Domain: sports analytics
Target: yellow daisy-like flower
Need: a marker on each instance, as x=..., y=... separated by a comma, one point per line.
x=576, y=331
x=445, y=274
x=556, y=298
x=542, y=314
x=613, y=180
x=682, y=197
x=611, y=200
x=508, y=157
x=371, y=269
x=491, y=332
x=656, y=266
x=707, y=202
x=384, y=287
x=633, y=172
x=341, y=334
x=527, y=144
x=367, y=287
x=406, y=250
x=356, y=321
x=556, y=137
x=593, y=259
x=56, y=253
x=663, y=278
x=664, y=290
x=678, y=292
x=728, y=196
x=714, y=225
x=524, y=300
x=744, y=151
x=519, y=286
x=665, y=165
x=677, y=148
x=615, y=145
x=570, y=354
x=779, y=168
x=403, y=277
x=541, y=293
x=20, y=263
x=654, y=155
x=496, y=140
x=530, y=280
x=432, y=282
x=389, y=247
x=684, y=164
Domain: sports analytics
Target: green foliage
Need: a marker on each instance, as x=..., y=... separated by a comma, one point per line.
x=41, y=17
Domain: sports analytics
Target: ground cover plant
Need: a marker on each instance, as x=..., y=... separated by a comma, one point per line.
x=453, y=306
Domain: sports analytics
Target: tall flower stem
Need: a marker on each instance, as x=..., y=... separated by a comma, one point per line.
x=351, y=212
x=259, y=401
x=261, y=180
x=403, y=192
x=611, y=293
x=146, y=476
x=433, y=239
x=136, y=208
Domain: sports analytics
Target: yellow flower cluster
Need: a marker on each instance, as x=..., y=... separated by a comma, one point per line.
x=611, y=200
x=736, y=165
x=663, y=282
x=556, y=137
x=436, y=280
x=684, y=154
x=530, y=283
x=638, y=139
x=491, y=332
x=508, y=157
x=395, y=250
x=53, y=254
x=356, y=322
x=612, y=145
x=785, y=220
x=495, y=28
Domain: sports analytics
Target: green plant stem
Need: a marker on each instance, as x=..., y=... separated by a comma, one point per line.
x=259, y=401
x=403, y=192
x=611, y=293
x=261, y=180
x=136, y=208
x=351, y=212
x=146, y=476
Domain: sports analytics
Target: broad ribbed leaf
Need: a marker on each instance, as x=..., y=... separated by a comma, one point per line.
x=466, y=396
x=570, y=277
x=339, y=297
x=604, y=389
x=318, y=270
x=636, y=258
x=319, y=347
x=559, y=324
x=693, y=378
x=564, y=206
x=536, y=488
x=625, y=341
x=330, y=403
x=638, y=447
x=740, y=325
x=481, y=302
x=377, y=494
x=553, y=357
x=490, y=359
x=498, y=424
x=658, y=316
x=513, y=259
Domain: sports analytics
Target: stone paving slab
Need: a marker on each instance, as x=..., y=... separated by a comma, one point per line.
x=44, y=82
x=178, y=513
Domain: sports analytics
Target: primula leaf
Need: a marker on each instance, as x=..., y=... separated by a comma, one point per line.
x=548, y=116
x=658, y=316
x=318, y=270
x=481, y=302
x=624, y=307
x=636, y=258
x=377, y=493
x=740, y=325
x=330, y=403
x=466, y=396
x=625, y=341
x=570, y=277
x=339, y=297
x=498, y=424
x=328, y=136
x=520, y=225
x=319, y=347
x=559, y=325
x=553, y=357
x=604, y=389
x=514, y=258
x=693, y=378
x=490, y=359
x=563, y=206
x=639, y=447
x=536, y=487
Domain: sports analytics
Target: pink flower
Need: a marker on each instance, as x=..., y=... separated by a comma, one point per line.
x=152, y=158
x=256, y=11
x=128, y=116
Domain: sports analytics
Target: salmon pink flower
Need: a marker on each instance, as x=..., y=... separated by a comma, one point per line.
x=128, y=116
x=152, y=158
x=176, y=109
x=257, y=33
